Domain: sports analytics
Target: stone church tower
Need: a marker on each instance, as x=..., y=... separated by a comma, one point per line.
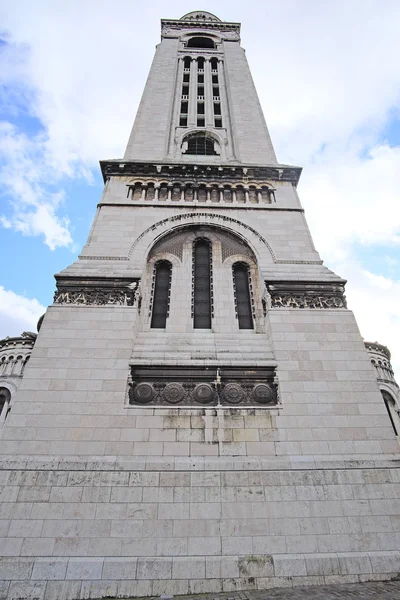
x=199, y=412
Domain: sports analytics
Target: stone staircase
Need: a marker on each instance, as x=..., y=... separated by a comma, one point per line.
x=202, y=348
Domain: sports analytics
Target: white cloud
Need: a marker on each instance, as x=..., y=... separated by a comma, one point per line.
x=350, y=200
x=18, y=313
x=25, y=175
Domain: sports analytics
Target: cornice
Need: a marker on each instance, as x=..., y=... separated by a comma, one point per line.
x=123, y=168
x=195, y=23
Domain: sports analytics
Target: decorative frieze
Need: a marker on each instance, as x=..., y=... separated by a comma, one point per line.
x=180, y=386
x=306, y=295
x=97, y=292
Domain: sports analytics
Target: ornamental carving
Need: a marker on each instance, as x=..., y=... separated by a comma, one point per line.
x=230, y=386
x=174, y=393
x=204, y=393
x=102, y=295
x=233, y=393
x=289, y=301
x=307, y=295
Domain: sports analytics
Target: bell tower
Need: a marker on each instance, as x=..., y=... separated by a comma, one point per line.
x=199, y=412
x=200, y=102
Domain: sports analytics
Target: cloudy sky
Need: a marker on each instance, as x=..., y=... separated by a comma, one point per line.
x=328, y=77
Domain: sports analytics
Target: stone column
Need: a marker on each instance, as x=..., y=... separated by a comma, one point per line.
x=208, y=93
x=192, y=93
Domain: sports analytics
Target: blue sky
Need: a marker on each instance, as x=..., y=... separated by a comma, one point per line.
x=328, y=77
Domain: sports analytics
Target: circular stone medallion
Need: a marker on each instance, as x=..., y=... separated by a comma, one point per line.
x=233, y=393
x=262, y=394
x=203, y=393
x=143, y=393
x=174, y=393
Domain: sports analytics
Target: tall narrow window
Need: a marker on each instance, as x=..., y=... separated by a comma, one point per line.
x=202, y=284
x=162, y=282
x=390, y=407
x=242, y=295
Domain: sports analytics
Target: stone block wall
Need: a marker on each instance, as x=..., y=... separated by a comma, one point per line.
x=74, y=528
x=252, y=140
x=149, y=136
x=100, y=498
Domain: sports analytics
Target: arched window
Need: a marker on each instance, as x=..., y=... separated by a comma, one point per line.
x=200, y=42
x=202, y=284
x=391, y=408
x=200, y=144
x=242, y=295
x=162, y=284
x=5, y=398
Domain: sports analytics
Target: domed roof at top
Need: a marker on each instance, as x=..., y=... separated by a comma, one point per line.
x=199, y=15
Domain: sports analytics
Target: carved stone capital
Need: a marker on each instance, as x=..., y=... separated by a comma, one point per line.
x=97, y=292
x=306, y=295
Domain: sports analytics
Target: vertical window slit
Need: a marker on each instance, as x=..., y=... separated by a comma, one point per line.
x=241, y=285
x=161, y=293
x=202, y=284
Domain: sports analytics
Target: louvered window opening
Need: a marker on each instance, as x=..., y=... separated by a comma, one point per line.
x=200, y=145
x=161, y=295
x=242, y=291
x=202, y=285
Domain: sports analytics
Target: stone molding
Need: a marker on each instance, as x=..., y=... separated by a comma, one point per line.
x=204, y=218
x=188, y=171
x=97, y=292
x=306, y=295
x=169, y=25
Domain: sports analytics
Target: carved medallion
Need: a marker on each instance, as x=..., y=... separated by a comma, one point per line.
x=174, y=393
x=204, y=393
x=263, y=394
x=143, y=393
x=233, y=393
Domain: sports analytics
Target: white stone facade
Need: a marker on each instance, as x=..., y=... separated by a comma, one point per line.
x=104, y=497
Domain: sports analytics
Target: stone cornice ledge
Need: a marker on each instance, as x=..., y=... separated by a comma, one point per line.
x=171, y=170
x=207, y=463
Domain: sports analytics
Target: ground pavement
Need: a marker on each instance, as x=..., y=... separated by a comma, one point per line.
x=376, y=590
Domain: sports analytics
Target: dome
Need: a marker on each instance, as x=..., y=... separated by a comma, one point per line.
x=199, y=15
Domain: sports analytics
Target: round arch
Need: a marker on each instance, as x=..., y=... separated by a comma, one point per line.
x=246, y=234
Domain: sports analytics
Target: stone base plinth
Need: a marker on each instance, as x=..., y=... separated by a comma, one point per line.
x=77, y=527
